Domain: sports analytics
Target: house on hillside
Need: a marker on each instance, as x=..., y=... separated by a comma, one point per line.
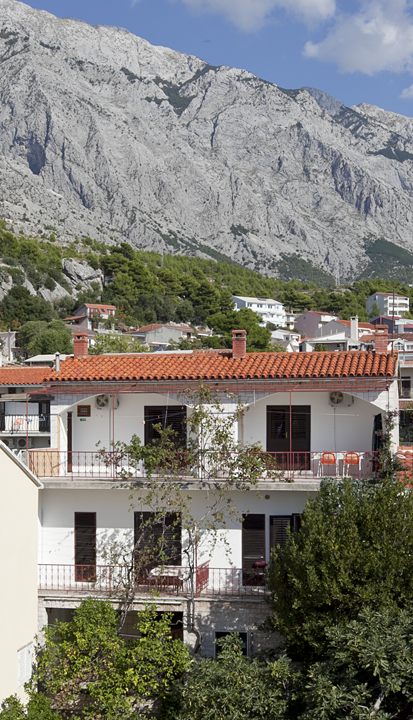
x=24, y=407
x=159, y=336
x=387, y=304
x=270, y=311
x=311, y=323
x=19, y=490
x=93, y=317
x=313, y=414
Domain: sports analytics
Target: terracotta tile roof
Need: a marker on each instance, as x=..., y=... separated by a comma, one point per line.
x=362, y=325
x=157, y=326
x=97, y=306
x=221, y=366
x=24, y=375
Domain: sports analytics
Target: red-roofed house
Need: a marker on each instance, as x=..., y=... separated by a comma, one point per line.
x=314, y=414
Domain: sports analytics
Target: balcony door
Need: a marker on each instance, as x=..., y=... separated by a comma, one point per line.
x=289, y=435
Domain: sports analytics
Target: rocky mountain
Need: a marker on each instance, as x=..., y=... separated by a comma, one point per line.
x=105, y=135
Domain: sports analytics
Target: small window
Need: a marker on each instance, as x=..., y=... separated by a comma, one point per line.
x=243, y=636
x=83, y=411
x=406, y=384
x=24, y=664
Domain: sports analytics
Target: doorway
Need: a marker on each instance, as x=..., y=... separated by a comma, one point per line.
x=289, y=435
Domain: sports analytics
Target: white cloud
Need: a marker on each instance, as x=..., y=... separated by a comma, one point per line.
x=379, y=36
x=407, y=93
x=252, y=14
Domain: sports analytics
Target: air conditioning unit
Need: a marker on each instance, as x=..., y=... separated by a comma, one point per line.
x=105, y=401
x=338, y=398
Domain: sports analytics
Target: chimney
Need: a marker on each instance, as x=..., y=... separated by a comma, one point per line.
x=80, y=344
x=57, y=362
x=239, y=344
x=381, y=338
x=354, y=329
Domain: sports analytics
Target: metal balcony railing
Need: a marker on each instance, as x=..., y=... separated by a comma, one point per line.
x=23, y=424
x=277, y=466
x=114, y=580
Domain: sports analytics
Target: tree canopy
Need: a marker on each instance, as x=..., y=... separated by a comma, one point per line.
x=38, y=337
x=354, y=551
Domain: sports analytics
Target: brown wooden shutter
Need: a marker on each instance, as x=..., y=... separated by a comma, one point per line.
x=253, y=545
x=279, y=525
x=85, y=546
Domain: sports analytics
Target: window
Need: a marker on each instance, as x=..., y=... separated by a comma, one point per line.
x=85, y=546
x=279, y=525
x=24, y=664
x=406, y=385
x=83, y=411
x=157, y=539
x=173, y=416
x=44, y=416
x=253, y=549
x=243, y=636
x=406, y=427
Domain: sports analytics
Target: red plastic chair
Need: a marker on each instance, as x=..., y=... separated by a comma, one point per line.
x=351, y=460
x=328, y=460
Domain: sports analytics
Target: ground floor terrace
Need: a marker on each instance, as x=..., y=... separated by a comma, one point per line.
x=199, y=621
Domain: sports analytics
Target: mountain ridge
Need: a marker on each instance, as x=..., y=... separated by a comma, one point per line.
x=103, y=134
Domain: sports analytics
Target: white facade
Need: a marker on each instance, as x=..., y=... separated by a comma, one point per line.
x=18, y=548
x=297, y=422
x=271, y=311
x=388, y=304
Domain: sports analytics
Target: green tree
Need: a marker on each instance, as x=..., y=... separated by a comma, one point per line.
x=116, y=344
x=258, y=338
x=367, y=670
x=19, y=306
x=232, y=688
x=354, y=551
x=37, y=337
x=38, y=708
x=89, y=672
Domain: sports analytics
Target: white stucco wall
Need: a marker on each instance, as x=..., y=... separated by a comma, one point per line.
x=18, y=550
x=343, y=427
x=115, y=508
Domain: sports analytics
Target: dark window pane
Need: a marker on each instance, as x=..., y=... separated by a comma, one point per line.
x=173, y=416
x=158, y=540
x=85, y=546
x=253, y=548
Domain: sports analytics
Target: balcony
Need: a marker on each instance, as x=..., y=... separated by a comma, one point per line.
x=113, y=580
x=24, y=424
x=276, y=467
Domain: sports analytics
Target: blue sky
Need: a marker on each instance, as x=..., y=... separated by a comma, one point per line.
x=357, y=50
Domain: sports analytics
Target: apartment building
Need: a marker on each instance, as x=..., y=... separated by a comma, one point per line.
x=271, y=311
x=312, y=414
x=387, y=304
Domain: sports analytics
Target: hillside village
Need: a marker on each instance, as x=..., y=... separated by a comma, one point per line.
x=206, y=360
x=314, y=405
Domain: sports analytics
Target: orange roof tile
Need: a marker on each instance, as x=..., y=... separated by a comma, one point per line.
x=24, y=375
x=363, y=325
x=222, y=366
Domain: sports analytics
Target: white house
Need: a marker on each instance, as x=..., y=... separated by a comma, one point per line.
x=19, y=490
x=311, y=415
x=271, y=311
x=388, y=303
